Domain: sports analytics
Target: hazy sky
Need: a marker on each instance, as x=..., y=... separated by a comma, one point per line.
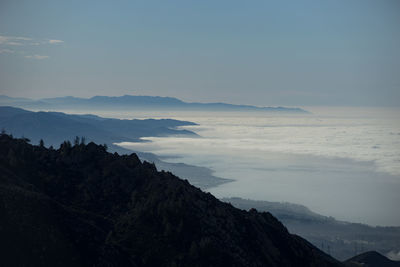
x=252, y=52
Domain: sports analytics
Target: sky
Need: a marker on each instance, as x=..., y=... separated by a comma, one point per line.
x=293, y=53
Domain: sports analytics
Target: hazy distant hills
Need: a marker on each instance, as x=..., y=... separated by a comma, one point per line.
x=371, y=259
x=132, y=102
x=82, y=206
x=283, y=210
x=55, y=127
x=340, y=239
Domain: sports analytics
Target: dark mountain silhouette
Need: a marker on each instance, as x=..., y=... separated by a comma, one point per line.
x=134, y=102
x=371, y=259
x=340, y=239
x=82, y=206
x=55, y=127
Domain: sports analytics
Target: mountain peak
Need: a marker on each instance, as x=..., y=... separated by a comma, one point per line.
x=371, y=259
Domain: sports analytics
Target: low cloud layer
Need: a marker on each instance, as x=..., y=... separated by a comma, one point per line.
x=13, y=40
x=6, y=51
x=340, y=166
x=394, y=255
x=55, y=41
x=37, y=57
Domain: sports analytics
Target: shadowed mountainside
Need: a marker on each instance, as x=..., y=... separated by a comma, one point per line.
x=80, y=206
x=340, y=239
x=55, y=127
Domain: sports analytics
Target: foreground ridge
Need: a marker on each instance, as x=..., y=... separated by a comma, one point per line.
x=82, y=206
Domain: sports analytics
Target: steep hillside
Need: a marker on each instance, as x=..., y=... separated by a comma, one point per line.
x=82, y=206
x=340, y=239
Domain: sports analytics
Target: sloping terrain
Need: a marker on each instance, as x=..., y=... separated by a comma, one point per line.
x=371, y=259
x=82, y=206
x=340, y=239
x=55, y=127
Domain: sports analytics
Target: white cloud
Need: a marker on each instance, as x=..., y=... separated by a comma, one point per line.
x=24, y=43
x=330, y=163
x=6, y=51
x=14, y=43
x=37, y=56
x=13, y=40
x=20, y=40
x=4, y=39
x=52, y=41
x=393, y=255
x=23, y=38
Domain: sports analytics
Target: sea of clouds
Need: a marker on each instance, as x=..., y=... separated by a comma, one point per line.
x=344, y=165
x=364, y=139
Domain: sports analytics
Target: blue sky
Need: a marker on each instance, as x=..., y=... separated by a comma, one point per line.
x=248, y=52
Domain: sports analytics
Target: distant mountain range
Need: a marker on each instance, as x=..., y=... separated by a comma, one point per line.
x=132, y=102
x=55, y=127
